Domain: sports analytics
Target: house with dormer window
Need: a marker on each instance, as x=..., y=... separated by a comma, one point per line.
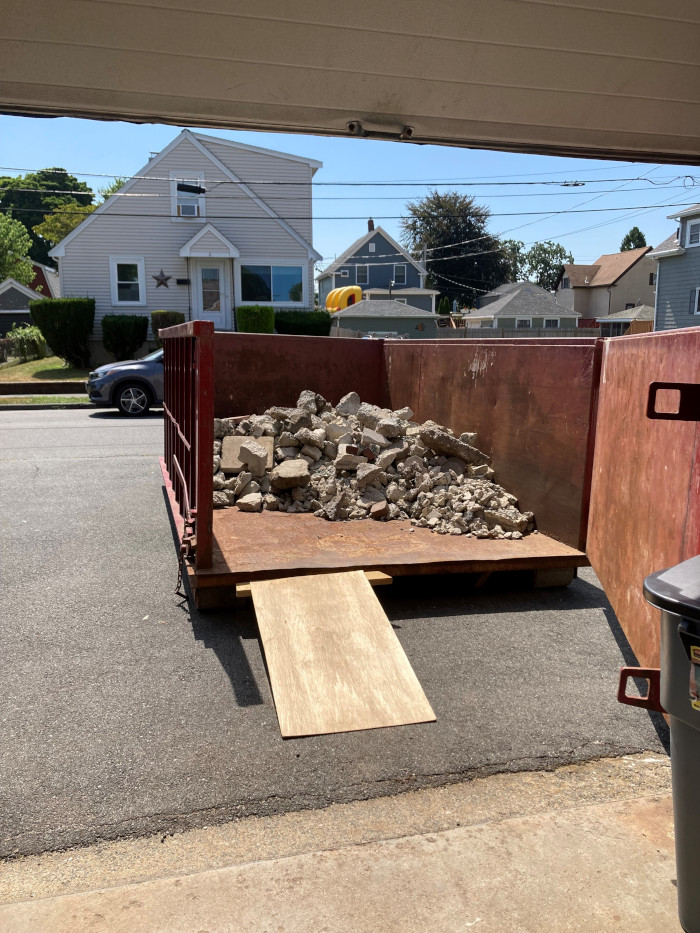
x=205, y=227
x=383, y=269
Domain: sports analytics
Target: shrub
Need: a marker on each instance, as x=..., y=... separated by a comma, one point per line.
x=312, y=323
x=66, y=324
x=162, y=319
x=255, y=319
x=123, y=334
x=27, y=342
x=444, y=305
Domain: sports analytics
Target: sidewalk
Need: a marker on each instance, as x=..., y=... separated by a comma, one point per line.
x=586, y=848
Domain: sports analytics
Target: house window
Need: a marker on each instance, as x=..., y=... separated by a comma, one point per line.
x=551, y=323
x=629, y=305
x=693, y=236
x=362, y=275
x=652, y=278
x=487, y=324
x=401, y=301
x=695, y=301
x=128, y=280
x=283, y=284
x=344, y=274
x=399, y=275
x=372, y=247
x=187, y=205
x=523, y=322
x=565, y=283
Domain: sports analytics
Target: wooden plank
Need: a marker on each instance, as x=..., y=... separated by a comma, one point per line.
x=334, y=661
x=374, y=578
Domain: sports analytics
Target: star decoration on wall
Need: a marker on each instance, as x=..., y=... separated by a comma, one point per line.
x=162, y=279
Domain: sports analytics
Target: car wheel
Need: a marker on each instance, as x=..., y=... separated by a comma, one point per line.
x=133, y=400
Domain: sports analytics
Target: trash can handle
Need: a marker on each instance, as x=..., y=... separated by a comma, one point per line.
x=688, y=403
x=652, y=701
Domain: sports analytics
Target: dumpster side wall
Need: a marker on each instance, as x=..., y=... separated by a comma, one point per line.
x=254, y=371
x=530, y=404
x=645, y=495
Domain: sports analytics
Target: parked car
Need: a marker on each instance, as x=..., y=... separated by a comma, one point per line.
x=132, y=386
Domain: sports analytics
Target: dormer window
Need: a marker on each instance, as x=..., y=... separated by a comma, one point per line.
x=187, y=196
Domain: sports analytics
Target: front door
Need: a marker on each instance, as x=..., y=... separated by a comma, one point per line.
x=212, y=292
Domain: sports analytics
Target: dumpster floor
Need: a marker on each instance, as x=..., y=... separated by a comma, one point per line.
x=255, y=546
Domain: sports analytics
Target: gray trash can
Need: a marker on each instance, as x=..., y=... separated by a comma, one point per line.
x=676, y=592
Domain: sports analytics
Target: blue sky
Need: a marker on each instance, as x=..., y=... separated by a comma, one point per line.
x=90, y=148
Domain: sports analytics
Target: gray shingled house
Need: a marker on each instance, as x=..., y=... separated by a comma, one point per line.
x=678, y=276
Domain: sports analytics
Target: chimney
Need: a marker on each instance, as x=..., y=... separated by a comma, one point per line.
x=370, y=225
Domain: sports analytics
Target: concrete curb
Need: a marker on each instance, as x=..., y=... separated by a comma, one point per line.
x=47, y=405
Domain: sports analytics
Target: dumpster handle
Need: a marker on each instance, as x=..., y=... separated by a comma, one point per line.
x=688, y=404
x=652, y=701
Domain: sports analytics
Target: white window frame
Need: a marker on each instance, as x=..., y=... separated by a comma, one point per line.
x=401, y=265
x=192, y=178
x=523, y=323
x=344, y=274
x=357, y=274
x=696, y=303
x=401, y=301
x=139, y=261
x=688, y=226
x=556, y=326
x=372, y=247
x=292, y=263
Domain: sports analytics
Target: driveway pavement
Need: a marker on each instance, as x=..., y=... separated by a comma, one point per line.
x=123, y=711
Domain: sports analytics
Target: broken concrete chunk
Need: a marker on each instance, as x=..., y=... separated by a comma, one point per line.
x=254, y=455
x=230, y=452
x=287, y=439
x=374, y=437
x=349, y=404
x=438, y=439
x=367, y=473
x=335, y=430
x=271, y=503
x=345, y=461
x=510, y=519
x=250, y=503
x=307, y=401
x=370, y=415
x=403, y=414
x=390, y=427
x=290, y=473
x=385, y=459
x=216, y=464
x=220, y=500
x=313, y=453
x=316, y=438
x=223, y=427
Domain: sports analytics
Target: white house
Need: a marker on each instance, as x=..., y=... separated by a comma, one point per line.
x=206, y=226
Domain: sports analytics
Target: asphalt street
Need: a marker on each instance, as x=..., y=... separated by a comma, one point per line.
x=124, y=711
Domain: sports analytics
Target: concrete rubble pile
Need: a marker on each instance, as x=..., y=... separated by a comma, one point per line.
x=356, y=461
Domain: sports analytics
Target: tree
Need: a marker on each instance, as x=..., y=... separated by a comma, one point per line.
x=633, y=240
x=29, y=198
x=58, y=225
x=109, y=190
x=14, y=251
x=516, y=257
x=444, y=305
x=464, y=261
x=544, y=261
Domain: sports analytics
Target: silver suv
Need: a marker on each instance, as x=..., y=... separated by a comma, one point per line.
x=132, y=386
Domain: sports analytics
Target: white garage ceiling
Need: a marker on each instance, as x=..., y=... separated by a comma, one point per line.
x=603, y=78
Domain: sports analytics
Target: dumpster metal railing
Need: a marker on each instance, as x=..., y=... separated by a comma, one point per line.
x=188, y=362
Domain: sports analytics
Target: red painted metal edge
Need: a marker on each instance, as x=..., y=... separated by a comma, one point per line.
x=204, y=434
x=590, y=447
x=172, y=501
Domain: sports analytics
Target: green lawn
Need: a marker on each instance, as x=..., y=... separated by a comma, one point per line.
x=52, y=369
x=56, y=400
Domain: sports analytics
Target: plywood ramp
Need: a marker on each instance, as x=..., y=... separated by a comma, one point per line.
x=334, y=662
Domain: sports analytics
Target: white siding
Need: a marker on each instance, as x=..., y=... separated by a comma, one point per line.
x=143, y=226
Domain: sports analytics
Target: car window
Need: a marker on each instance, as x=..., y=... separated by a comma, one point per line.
x=156, y=355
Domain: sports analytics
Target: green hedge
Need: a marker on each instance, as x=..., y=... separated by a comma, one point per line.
x=123, y=334
x=66, y=324
x=27, y=342
x=255, y=319
x=162, y=319
x=311, y=323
